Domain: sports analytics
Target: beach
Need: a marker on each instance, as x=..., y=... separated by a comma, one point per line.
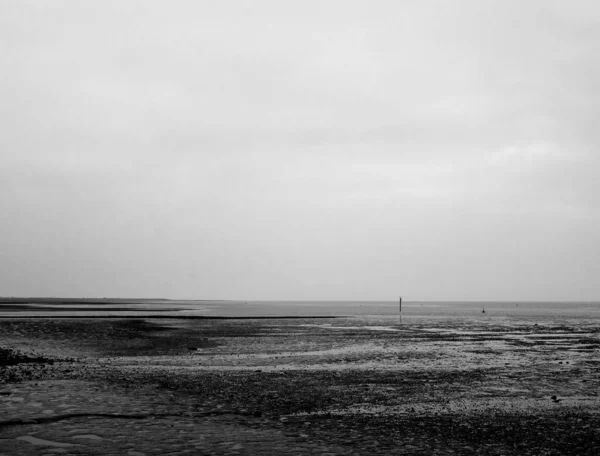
x=520, y=378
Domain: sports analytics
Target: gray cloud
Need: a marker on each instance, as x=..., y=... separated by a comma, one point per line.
x=319, y=150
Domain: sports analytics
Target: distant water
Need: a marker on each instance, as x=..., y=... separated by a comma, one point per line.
x=410, y=309
x=425, y=309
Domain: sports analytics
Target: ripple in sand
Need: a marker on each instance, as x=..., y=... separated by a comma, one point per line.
x=87, y=436
x=36, y=441
x=78, y=431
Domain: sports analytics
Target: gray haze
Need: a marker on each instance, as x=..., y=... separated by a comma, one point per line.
x=300, y=150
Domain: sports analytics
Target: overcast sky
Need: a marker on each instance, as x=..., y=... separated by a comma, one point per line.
x=300, y=149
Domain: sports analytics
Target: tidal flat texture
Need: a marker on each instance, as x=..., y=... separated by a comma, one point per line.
x=362, y=385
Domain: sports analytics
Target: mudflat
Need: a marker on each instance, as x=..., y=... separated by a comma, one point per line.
x=353, y=385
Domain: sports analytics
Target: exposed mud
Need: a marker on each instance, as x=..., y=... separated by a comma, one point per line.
x=368, y=384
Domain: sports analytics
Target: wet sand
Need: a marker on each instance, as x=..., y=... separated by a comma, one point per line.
x=358, y=385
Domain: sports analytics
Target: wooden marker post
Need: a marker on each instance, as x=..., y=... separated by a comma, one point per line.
x=400, y=308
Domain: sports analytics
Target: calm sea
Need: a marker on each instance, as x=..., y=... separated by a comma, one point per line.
x=409, y=308
x=383, y=309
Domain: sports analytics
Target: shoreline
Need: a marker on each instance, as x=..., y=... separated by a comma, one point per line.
x=172, y=317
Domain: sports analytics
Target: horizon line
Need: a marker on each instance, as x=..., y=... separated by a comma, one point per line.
x=60, y=298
